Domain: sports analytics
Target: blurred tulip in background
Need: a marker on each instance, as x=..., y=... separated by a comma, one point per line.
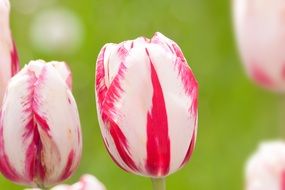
x=87, y=182
x=260, y=32
x=9, y=64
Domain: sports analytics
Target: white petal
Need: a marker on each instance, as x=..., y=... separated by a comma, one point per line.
x=64, y=71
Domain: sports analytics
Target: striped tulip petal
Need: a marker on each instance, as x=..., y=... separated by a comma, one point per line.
x=9, y=64
x=266, y=167
x=147, y=105
x=40, y=135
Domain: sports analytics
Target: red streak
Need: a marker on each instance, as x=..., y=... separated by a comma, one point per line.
x=107, y=148
x=33, y=163
x=190, y=149
x=122, y=146
x=158, y=143
x=68, y=168
x=5, y=167
x=260, y=76
x=14, y=60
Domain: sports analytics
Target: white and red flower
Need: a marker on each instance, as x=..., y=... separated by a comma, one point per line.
x=40, y=134
x=265, y=169
x=147, y=105
x=260, y=32
x=87, y=182
x=9, y=64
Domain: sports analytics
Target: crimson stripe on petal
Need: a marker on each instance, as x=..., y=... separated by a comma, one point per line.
x=260, y=76
x=122, y=145
x=187, y=77
x=34, y=167
x=112, y=95
x=158, y=143
x=5, y=167
x=101, y=88
x=106, y=99
x=68, y=167
x=191, y=148
x=107, y=148
x=14, y=60
x=42, y=122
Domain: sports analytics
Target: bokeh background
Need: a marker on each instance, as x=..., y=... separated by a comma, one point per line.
x=234, y=114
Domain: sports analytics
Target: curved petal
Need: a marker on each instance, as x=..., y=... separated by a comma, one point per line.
x=64, y=70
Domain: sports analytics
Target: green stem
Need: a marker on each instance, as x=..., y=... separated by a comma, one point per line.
x=158, y=183
x=281, y=116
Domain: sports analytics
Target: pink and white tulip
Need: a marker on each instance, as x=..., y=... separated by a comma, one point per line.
x=260, y=32
x=265, y=170
x=87, y=182
x=147, y=105
x=9, y=64
x=40, y=134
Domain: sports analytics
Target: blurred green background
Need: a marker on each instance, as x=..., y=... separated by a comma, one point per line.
x=234, y=114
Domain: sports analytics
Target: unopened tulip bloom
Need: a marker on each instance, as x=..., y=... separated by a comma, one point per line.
x=265, y=170
x=260, y=31
x=40, y=135
x=147, y=105
x=9, y=64
x=87, y=182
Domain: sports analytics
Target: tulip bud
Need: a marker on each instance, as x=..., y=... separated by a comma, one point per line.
x=87, y=182
x=265, y=170
x=147, y=105
x=260, y=32
x=40, y=135
x=9, y=64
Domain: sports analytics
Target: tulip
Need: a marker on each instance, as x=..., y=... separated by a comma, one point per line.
x=87, y=182
x=147, y=105
x=260, y=33
x=265, y=170
x=40, y=135
x=9, y=64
